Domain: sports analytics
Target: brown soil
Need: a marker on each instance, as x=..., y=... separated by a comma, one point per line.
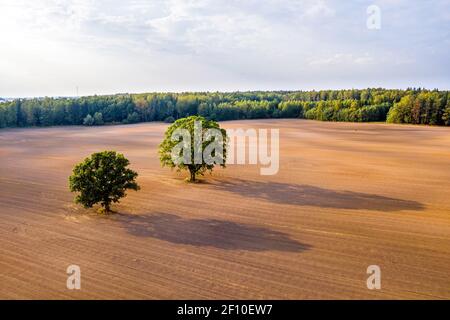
x=347, y=196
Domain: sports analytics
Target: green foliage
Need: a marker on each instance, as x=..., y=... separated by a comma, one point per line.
x=401, y=112
x=167, y=145
x=422, y=108
x=102, y=178
x=98, y=119
x=446, y=115
x=290, y=109
x=406, y=106
x=169, y=120
x=132, y=118
x=187, y=105
x=89, y=120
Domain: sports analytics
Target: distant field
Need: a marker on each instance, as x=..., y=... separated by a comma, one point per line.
x=347, y=196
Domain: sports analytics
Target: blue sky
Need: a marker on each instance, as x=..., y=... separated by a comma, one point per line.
x=51, y=47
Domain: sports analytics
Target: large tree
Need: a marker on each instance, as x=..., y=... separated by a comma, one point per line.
x=194, y=144
x=102, y=178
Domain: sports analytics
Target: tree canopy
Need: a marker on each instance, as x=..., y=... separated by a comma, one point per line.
x=195, y=144
x=102, y=178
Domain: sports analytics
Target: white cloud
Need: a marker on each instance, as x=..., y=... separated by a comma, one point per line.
x=319, y=8
x=51, y=46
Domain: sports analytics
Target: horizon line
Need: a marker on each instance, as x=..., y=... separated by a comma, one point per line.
x=10, y=98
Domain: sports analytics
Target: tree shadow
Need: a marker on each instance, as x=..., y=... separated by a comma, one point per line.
x=215, y=233
x=307, y=195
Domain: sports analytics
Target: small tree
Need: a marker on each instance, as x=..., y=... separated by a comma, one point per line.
x=194, y=149
x=98, y=119
x=133, y=118
x=102, y=178
x=88, y=121
x=169, y=119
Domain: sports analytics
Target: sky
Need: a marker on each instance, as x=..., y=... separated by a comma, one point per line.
x=53, y=47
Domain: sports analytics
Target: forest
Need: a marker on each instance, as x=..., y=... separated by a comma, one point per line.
x=413, y=105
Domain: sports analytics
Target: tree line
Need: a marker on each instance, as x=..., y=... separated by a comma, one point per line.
x=413, y=105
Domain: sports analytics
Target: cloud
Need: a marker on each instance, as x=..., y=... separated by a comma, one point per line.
x=116, y=46
x=319, y=8
x=342, y=58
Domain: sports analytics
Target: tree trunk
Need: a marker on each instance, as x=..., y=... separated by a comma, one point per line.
x=107, y=207
x=192, y=171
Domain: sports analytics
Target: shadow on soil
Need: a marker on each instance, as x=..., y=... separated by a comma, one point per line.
x=209, y=232
x=307, y=195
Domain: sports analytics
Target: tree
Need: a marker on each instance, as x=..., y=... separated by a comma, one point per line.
x=195, y=144
x=21, y=118
x=89, y=120
x=290, y=109
x=102, y=178
x=401, y=112
x=169, y=120
x=133, y=118
x=446, y=115
x=98, y=119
